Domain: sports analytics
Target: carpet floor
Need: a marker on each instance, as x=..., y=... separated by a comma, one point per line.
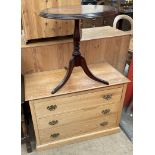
x=116, y=144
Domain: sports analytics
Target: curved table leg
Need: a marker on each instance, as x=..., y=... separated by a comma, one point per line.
x=89, y=73
x=77, y=60
x=68, y=74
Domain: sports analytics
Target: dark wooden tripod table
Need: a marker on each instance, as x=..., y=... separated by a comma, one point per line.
x=77, y=13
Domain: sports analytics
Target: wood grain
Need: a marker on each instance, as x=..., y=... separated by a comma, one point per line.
x=79, y=138
x=79, y=105
x=76, y=116
x=76, y=101
x=77, y=128
x=109, y=44
x=36, y=27
x=87, y=35
x=121, y=103
x=35, y=125
x=39, y=85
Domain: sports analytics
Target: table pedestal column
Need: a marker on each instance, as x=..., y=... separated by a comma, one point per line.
x=77, y=60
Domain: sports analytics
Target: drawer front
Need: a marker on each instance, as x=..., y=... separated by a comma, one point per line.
x=76, y=116
x=57, y=105
x=77, y=128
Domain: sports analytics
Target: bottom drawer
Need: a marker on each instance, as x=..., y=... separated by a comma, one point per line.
x=70, y=130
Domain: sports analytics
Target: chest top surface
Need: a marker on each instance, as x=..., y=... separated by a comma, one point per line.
x=78, y=12
x=39, y=85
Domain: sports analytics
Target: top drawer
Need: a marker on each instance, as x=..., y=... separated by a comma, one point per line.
x=66, y=103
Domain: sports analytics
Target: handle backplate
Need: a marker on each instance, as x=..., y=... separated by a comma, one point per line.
x=107, y=97
x=105, y=111
x=51, y=107
x=104, y=123
x=55, y=135
x=53, y=122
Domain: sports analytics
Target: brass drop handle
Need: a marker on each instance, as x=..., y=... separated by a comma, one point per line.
x=104, y=123
x=53, y=122
x=51, y=107
x=107, y=97
x=55, y=135
x=105, y=111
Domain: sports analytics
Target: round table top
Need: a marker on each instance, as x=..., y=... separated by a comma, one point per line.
x=78, y=12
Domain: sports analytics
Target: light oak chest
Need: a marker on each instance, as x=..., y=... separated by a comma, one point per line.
x=36, y=27
x=81, y=110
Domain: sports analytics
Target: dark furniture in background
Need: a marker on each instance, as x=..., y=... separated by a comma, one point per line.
x=123, y=6
x=98, y=21
x=25, y=136
x=126, y=8
x=88, y=2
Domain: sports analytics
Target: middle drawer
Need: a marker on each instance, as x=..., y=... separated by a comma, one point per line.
x=75, y=116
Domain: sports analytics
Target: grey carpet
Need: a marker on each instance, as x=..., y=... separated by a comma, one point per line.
x=116, y=144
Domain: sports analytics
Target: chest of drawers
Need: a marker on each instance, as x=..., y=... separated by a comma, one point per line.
x=83, y=109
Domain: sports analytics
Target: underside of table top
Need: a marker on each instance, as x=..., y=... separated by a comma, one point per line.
x=78, y=12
